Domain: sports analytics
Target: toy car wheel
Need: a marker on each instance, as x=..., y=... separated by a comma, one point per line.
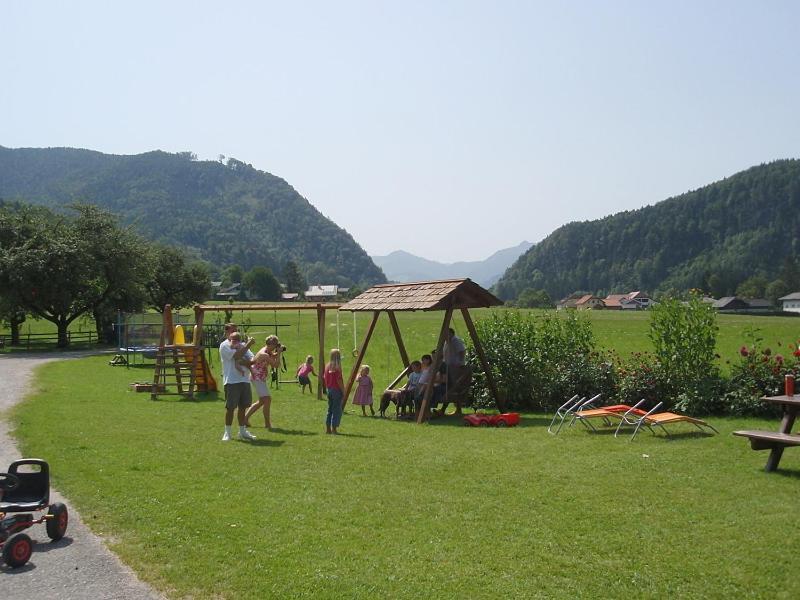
x=483, y=423
x=57, y=520
x=17, y=550
x=502, y=423
x=467, y=423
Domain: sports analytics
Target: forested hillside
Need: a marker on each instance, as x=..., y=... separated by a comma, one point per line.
x=743, y=228
x=226, y=213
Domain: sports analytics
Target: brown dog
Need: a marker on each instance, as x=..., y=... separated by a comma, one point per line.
x=399, y=398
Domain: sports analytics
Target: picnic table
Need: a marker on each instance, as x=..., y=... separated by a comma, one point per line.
x=776, y=441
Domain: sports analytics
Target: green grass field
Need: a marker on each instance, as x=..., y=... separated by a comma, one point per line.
x=624, y=332
x=391, y=509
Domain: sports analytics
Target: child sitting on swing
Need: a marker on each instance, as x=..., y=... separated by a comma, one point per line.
x=304, y=372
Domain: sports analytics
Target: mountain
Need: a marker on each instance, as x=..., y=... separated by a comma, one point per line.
x=225, y=213
x=713, y=238
x=402, y=266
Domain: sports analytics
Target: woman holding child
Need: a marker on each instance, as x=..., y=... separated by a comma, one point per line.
x=268, y=356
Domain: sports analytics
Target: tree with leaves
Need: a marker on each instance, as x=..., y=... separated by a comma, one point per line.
x=175, y=279
x=293, y=278
x=261, y=284
x=62, y=267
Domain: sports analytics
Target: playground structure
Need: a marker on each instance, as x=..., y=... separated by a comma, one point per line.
x=181, y=363
x=448, y=295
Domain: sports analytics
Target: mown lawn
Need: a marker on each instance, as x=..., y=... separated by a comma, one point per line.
x=624, y=332
x=390, y=509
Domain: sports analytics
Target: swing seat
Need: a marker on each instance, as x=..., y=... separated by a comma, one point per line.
x=459, y=385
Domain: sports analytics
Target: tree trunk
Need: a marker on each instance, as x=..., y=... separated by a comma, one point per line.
x=63, y=338
x=14, y=325
x=105, y=329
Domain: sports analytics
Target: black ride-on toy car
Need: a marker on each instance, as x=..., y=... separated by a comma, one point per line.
x=23, y=492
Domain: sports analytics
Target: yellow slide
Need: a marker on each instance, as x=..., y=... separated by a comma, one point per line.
x=203, y=379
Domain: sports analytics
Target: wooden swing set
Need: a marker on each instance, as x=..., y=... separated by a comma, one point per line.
x=184, y=364
x=448, y=295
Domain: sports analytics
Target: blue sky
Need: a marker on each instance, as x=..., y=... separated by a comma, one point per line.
x=448, y=129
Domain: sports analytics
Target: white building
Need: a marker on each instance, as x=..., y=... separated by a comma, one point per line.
x=791, y=303
x=322, y=292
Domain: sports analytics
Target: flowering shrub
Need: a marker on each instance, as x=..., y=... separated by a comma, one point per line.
x=758, y=372
x=638, y=378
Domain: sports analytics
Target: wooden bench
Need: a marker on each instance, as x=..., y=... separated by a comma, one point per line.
x=775, y=441
x=767, y=440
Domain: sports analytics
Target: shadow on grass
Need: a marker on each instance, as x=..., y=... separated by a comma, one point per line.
x=262, y=442
x=354, y=435
x=281, y=431
x=201, y=397
x=788, y=473
x=625, y=434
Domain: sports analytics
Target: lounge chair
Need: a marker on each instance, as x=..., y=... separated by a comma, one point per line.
x=563, y=411
x=616, y=411
x=651, y=418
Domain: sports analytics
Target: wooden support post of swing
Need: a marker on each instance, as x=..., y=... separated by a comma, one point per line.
x=197, y=354
x=360, y=357
x=321, y=334
x=501, y=405
x=396, y=329
x=424, y=413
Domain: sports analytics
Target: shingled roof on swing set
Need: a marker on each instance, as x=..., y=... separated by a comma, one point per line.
x=447, y=295
x=424, y=295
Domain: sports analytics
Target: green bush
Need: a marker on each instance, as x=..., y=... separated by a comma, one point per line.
x=540, y=360
x=684, y=336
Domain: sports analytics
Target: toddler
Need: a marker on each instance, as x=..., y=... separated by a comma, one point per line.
x=242, y=365
x=304, y=372
x=363, y=396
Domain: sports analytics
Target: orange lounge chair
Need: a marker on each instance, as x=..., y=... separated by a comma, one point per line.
x=606, y=413
x=651, y=418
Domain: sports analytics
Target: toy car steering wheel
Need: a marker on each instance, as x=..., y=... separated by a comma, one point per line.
x=8, y=482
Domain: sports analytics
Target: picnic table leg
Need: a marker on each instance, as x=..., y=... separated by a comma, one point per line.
x=789, y=415
x=774, y=458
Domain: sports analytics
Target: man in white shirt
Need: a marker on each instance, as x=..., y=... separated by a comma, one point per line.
x=455, y=351
x=455, y=357
x=237, y=385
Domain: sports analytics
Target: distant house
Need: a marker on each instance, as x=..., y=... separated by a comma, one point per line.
x=318, y=293
x=589, y=302
x=289, y=296
x=612, y=301
x=568, y=302
x=232, y=291
x=758, y=304
x=730, y=303
x=791, y=303
x=636, y=301
x=630, y=301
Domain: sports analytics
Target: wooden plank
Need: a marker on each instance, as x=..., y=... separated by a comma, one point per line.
x=767, y=440
x=362, y=351
x=400, y=346
x=423, y=414
x=482, y=358
x=321, y=364
x=397, y=379
x=283, y=306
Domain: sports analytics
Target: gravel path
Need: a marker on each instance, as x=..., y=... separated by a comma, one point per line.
x=79, y=566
